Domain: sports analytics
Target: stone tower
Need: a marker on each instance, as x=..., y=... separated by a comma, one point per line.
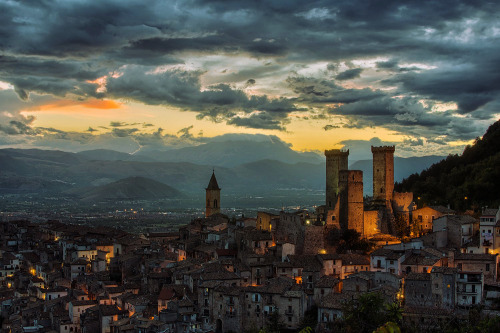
x=213, y=197
x=383, y=173
x=336, y=160
x=351, y=208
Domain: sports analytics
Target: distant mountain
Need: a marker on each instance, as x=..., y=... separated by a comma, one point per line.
x=131, y=188
x=470, y=179
x=403, y=167
x=231, y=153
x=28, y=171
x=105, y=154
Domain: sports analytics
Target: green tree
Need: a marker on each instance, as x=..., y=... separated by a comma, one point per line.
x=364, y=314
x=274, y=322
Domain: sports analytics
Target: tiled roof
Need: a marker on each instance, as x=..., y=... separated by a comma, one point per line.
x=326, y=281
x=336, y=300
x=444, y=270
x=489, y=212
x=442, y=209
x=475, y=256
x=419, y=276
x=83, y=303
x=354, y=259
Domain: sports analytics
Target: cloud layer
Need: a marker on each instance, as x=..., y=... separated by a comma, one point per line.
x=425, y=69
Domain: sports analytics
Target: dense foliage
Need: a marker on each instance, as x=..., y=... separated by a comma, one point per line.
x=464, y=181
x=348, y=240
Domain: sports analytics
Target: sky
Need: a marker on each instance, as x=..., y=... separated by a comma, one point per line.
x=129, y=75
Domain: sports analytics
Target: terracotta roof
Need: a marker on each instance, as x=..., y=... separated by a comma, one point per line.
x=308, y=263
x=212, y=185
x=419, y=276
x=489, y=212
x=83, y=303
x=442, y=209
x=327, y=281
x=462, y=219
x=417, y=259
x=110, y=310
x=354, y=259
x=336, y=300
x=444, y=270
x=475, y=256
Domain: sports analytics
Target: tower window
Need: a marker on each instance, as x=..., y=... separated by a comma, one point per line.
x=215, y=203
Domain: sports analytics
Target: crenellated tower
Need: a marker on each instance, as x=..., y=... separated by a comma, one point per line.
x=383, y=173
x=213, y=197
x=336, y=160
x=351, y=210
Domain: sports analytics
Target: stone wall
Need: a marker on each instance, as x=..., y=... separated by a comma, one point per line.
x=383, y=172
x=351, y=200
x=336, y=160
x=314, y=239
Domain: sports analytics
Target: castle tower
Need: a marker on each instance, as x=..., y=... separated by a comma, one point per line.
x=351, y=208
x=383, y=173
x=336, y=160
x=213, y=197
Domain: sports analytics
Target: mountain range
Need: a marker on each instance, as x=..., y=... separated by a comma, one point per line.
x=246, y=168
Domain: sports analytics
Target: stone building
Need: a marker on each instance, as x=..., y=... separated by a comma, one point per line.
x=383, y=173
x=418, y=292
x=212, y=197
x=423, y=218
x=336, y=160
x=351, y=211
x=460, y=229
x=390, y=212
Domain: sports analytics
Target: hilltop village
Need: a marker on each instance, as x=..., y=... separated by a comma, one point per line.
x=217, y=274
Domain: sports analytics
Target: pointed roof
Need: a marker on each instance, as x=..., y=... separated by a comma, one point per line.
x=212, y=185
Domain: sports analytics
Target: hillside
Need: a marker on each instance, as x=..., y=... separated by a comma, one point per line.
x=403, y=167
x=464, y=181
x=132, y=188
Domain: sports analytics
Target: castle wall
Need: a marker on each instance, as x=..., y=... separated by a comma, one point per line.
x=314, y=239
x=383, y=172
x=372, y=221
x=402, y=202
x=336, y=160
x=351, y=212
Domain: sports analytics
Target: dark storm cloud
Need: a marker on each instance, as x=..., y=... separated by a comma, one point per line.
x=330, y=127
x=58, y=47
x=316, y=90
x=349, y=74
x=123, y=132
x=183, y=89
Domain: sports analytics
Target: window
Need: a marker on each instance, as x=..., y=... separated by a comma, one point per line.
x=487, y=267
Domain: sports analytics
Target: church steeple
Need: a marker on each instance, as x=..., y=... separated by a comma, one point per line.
x=212, y=185
x=213, y=197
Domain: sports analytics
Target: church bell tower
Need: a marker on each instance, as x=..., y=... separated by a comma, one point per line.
x=213, y=197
